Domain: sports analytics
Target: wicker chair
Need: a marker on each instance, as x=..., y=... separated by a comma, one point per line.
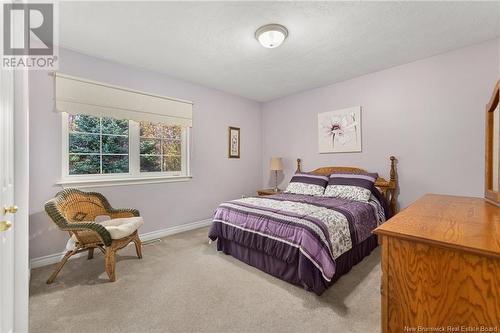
x=75, y=211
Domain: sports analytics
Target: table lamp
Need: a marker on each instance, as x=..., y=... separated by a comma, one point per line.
x=276, y=165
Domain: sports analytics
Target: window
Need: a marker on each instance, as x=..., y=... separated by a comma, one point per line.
x=104, y=149
x=97, y=145
x=160, y=147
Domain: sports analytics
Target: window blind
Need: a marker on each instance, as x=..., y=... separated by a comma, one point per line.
x=79, y=96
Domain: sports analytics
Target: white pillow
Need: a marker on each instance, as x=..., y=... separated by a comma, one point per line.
x=304, y=183
x=351, y=186
x=348, y=192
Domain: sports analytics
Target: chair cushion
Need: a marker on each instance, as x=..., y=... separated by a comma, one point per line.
x=121, y=227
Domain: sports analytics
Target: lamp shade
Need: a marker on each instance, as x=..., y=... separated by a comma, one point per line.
x=276, y=164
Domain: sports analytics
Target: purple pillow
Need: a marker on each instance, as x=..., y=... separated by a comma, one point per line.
x=364, y=180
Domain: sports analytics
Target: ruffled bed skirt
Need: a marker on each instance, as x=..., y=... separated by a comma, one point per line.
x=300, y=271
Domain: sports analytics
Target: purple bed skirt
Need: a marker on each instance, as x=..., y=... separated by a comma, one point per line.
x=313, y=281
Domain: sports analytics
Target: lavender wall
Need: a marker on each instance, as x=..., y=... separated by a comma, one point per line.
x=215, y=177
x=430, y=114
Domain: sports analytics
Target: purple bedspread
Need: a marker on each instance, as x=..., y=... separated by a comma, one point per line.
x=292, y=227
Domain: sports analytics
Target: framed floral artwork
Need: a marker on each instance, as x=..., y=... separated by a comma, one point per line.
x=234, y=142
x=340, y=131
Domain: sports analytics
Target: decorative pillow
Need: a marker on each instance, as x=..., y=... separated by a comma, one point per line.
x=306, y=183
x=351, y=186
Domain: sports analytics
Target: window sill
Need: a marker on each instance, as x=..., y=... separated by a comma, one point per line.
x=84, y=183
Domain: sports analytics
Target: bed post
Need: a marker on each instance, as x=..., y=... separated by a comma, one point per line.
x=393, y=179
x=298, y=165
x=393, y=169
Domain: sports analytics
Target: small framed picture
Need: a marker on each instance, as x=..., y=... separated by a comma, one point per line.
x=234, y=142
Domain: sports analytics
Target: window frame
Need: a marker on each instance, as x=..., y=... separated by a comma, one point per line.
x=134, y=176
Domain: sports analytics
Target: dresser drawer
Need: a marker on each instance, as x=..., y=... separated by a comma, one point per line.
x=426, y=285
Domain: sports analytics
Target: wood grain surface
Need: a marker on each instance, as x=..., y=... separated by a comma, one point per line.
x=441, y=266
x=268, y=191
x=489, y=193
x=432, y=286
x=459, y=222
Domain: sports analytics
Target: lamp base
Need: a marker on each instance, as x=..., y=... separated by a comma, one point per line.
x=276, y=189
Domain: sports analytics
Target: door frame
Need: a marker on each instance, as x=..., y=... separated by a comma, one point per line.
x=20, y=229
x=21, y=199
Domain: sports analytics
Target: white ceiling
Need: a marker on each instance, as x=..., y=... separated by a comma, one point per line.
x=213, y=44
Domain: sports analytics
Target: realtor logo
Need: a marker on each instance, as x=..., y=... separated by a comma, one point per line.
x=29, y=36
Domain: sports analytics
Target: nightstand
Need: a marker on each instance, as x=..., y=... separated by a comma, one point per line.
x=268, y=191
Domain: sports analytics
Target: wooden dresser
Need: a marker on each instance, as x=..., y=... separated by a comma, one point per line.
x=441, y=266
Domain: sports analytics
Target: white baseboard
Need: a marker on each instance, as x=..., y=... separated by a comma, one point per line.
x=174, y=230
x=148, y=236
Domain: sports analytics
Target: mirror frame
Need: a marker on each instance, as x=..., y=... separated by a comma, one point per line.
x=489, y=195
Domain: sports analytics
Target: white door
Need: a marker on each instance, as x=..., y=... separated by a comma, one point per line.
x=7, y=208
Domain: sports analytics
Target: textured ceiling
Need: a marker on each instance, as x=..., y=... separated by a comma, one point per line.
x=213, y=44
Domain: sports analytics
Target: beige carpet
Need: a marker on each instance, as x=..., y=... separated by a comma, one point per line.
x=184, y=285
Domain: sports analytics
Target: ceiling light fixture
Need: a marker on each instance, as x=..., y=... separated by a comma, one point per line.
x=271, y=35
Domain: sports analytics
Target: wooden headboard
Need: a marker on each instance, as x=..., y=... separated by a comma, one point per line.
x=387, y=188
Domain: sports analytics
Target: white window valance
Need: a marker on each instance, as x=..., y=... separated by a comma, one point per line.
x=79, y=96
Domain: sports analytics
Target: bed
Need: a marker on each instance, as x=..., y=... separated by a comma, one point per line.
x=307, y=240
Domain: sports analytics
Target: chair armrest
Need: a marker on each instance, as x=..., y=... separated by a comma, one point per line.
x=90, y=226
x=119, y=213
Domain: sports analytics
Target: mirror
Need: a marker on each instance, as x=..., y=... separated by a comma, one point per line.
x=495, y=148
x=492, y=171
